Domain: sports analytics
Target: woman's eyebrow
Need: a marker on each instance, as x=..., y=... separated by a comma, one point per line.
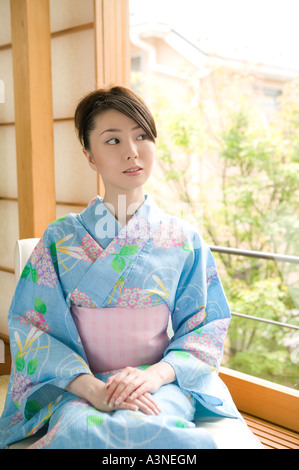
x=110, y=130
x=119, y=130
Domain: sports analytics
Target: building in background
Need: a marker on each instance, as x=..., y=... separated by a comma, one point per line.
x=164, y=55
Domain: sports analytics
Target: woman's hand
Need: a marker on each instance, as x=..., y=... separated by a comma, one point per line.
x=93, y=390
x=144, y=403
x=132, y=383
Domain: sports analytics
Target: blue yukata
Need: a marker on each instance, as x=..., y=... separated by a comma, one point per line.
x=95, y=297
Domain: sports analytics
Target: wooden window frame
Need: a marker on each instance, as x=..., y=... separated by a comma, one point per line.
x=266, y=400
x=31, y=51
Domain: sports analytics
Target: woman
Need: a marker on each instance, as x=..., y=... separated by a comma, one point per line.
x=88, y=323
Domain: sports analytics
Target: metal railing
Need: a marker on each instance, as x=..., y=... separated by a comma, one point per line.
x=256, y=254
x=261, y=255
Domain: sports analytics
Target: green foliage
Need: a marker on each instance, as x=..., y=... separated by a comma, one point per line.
x=251, y=201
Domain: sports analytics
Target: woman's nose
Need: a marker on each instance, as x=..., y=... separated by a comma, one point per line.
x=131, y=157
x=131, y=151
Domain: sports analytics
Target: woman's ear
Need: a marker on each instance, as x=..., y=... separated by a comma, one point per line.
x=90, y=159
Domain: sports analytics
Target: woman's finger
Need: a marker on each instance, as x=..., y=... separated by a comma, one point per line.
x=141, y=390
x=145, y=406
x=148, y=400
x=123, y=385
x=118, y=376
x=127, y=406
x=124, y=390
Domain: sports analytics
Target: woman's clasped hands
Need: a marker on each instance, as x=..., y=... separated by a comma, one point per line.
x=132, y=389
x=129, y=389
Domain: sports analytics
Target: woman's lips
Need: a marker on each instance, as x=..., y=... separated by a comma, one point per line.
x=134, y=171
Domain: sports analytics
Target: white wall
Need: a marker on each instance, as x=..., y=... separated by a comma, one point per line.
x=73, y=75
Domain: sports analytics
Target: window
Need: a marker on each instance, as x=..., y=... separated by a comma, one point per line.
x=136, y=63
x=228, y=134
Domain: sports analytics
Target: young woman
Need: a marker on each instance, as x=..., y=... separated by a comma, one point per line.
x=92, y=361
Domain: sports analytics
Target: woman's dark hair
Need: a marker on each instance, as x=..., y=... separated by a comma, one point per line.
x=118, y=98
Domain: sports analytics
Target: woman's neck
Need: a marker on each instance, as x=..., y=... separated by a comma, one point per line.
x=124, y=205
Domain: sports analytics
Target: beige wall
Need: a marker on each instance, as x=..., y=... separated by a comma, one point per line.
x=9, y=226
x=73, y=75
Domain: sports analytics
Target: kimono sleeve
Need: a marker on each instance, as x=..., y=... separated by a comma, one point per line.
x=45, y=347
x=200, y=320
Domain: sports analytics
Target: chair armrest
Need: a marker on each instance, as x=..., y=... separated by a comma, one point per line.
x=23, y=250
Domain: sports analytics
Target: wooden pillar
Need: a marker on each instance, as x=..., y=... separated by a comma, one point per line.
x=31, y=48
x=112, y=46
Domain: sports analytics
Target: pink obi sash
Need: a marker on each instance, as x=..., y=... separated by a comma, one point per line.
x=116, y=337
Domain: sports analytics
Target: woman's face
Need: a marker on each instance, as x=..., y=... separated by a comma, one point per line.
x=120, y=151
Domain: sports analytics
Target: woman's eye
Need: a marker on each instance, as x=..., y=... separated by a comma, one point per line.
x=142, y=137
x=112, y=141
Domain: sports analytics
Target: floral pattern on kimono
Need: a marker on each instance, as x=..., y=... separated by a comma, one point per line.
x=155, y=259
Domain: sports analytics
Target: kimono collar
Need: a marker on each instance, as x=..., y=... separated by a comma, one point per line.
x=103, y=226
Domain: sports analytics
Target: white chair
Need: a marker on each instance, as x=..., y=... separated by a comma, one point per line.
x=23, y=250
x=228, y=433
